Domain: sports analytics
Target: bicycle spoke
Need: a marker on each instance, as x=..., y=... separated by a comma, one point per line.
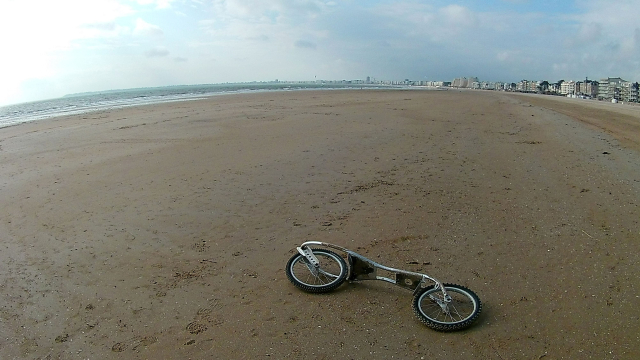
x=323, y=277
x=454, y=311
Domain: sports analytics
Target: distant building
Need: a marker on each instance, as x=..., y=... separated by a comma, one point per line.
x=528, y=86
x=543, y=87
x=588, y=88
x=618, y=89
x=609, y=89
x=606, y=89
x=568, y=88
x=460, y=82
x=436, y=83
x=629, y=92
x=464, y=82
x=487, y=85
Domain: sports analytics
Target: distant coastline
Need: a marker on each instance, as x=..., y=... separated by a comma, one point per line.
x=78, y=103
x=252, y=85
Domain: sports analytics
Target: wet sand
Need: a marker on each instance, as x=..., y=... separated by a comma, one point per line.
x=163, y=231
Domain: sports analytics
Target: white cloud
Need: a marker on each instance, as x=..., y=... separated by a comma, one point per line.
x=251, y=9
x=458, y=16
x=249, y=19
x=413, y=20
x=34, y=32
x=606, y=21
x=53, y=25
x=160, y=4
x=589, y=32
x=603, y=40
x=143, y=28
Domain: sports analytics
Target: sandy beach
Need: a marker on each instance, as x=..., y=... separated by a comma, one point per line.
x=163, y=231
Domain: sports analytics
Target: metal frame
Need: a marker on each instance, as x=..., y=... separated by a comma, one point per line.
x=362, y=268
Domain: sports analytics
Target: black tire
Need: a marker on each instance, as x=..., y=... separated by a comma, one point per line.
x=332, y=272
x=463, y=309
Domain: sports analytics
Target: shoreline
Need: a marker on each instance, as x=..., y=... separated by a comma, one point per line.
x=616, y=107
x=113, y=100
x=163, y=231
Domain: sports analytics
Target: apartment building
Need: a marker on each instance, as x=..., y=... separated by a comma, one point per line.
x=610, y=89
x=463, y=82
x=527, y=86
x=629, y=92
x=617, y=89
x=568, y=88
x=587, y=88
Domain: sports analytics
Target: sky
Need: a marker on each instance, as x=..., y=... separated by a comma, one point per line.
x=53, y=48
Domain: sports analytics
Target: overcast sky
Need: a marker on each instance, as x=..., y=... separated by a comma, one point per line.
x=52, y=48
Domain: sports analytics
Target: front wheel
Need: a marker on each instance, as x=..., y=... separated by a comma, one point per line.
x=331, y=273
x=463, y=309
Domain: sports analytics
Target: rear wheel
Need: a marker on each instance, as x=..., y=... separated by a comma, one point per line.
x=331, y=273
x=463, y=309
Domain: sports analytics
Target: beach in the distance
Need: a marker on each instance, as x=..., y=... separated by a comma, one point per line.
x=162, y=231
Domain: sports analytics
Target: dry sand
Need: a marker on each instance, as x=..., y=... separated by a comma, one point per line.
x=163, y=231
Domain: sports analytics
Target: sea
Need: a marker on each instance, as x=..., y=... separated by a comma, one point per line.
x=87, y=102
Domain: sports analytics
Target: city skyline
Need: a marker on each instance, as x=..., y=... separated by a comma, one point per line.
x=71, y=46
